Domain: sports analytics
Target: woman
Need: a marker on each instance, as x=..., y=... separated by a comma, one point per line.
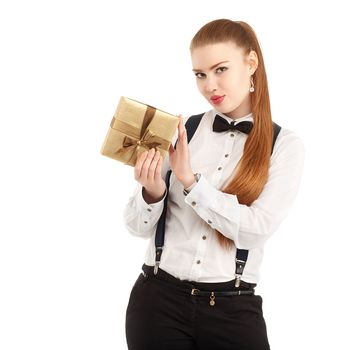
x=231, y=187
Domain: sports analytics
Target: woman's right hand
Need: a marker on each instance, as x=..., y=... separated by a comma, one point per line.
x=147, y=172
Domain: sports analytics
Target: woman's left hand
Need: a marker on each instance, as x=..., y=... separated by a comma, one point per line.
x=179, y=158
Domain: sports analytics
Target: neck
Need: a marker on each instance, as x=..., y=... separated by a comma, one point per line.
x=242, y=110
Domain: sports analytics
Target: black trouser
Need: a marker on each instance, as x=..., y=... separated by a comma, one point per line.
x=163, y=314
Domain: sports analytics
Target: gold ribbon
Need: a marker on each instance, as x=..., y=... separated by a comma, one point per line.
x=132, y=143
x=148, y=140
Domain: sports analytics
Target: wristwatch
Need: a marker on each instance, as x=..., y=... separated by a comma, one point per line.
x=187, y=190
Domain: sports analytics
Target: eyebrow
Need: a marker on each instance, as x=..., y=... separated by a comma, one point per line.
x=215, y=65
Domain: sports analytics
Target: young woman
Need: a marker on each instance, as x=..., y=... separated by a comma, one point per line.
x=230, y=188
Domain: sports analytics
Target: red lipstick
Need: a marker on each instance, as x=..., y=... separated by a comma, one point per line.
x=216, y=99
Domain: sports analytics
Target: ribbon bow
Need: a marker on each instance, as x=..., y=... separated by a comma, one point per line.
x=130, y=144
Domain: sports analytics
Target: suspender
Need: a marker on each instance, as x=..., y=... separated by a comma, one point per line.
x=241, y=254
x=191, y=126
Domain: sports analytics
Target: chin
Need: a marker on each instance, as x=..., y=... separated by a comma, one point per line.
x=225, y=110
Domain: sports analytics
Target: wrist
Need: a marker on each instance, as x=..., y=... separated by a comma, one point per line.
x=150, y=196
x=187, y=190
x=189, y=181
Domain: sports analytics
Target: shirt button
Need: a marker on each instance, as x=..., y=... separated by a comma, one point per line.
x=219, y=168
x=198, y=261
x=149, y=209
x=204, y=237
x=193, y=203
x=226, y=155
x=145, y=222
x=232, y=135
x=210, y=222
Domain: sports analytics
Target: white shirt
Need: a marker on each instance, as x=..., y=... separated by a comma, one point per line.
x=191, y=250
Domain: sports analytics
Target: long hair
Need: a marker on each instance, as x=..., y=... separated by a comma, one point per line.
x=251, y=173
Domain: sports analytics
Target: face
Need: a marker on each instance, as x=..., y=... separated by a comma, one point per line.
x=223, y=77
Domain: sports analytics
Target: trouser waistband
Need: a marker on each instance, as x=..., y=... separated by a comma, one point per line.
x=199, y=288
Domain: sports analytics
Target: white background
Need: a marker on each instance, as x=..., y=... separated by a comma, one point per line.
x=67, y=264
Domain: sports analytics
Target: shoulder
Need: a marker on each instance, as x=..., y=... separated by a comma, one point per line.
x=288, y=144
x=185, y=118
x=198, y=116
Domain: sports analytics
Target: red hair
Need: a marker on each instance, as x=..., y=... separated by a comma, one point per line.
x=252, y=170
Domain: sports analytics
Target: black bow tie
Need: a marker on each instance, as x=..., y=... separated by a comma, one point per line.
x=221, y=124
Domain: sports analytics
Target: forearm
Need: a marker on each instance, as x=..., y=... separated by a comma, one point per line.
x=250, y=226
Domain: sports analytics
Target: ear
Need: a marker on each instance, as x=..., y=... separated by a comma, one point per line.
x=253, y=61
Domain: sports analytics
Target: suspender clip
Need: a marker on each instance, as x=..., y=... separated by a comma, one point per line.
x=159, y=251
x=240, y=264
x=238, y=281
x=156, y=267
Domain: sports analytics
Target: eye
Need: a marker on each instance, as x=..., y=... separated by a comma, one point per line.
x=200, y=75
x=221, y=69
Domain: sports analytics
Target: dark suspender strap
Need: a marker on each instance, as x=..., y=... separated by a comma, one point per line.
x=191, y=126
x=241, y=259
x=242, y=254
x=160, y=232
x=276, y=131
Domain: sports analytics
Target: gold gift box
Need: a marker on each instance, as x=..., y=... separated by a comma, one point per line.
x=137, y=127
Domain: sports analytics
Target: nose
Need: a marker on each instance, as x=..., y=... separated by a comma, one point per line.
x=210, y=84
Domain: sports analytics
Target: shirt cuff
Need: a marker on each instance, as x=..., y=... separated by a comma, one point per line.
x=143, y=205
x=202, y=194
x=190, y=187
x=220, y=210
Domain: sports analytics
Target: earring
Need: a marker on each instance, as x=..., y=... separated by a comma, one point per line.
x=252, y=85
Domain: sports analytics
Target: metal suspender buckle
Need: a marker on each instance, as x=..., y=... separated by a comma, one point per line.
x=156, y=267
x=159, y=251
x=240, y=264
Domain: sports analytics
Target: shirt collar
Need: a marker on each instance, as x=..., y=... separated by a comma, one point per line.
x=248, y=117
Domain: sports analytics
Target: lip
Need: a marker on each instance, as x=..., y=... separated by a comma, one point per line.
x=216, y=99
